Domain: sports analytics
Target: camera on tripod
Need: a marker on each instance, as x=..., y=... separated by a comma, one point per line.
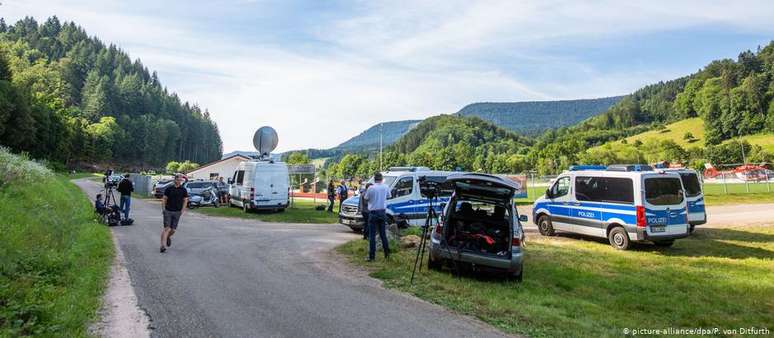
x=430, y=186
x=109, y=180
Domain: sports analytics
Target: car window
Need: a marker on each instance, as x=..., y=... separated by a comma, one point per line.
x=561, y=187
x=604, y=189
x=480, y=210
x=663, y=191
x=403, y=187
x=240, y=176
x=691, y=184
x=197, y=185
x=446, y=187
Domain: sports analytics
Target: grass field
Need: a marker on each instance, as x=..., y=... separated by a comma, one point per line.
x=301, y=212
x=54, y=258
x=584, y=288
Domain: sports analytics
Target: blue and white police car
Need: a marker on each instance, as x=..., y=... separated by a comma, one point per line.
x=694, y=196
x=623, y=203
x=409, y=203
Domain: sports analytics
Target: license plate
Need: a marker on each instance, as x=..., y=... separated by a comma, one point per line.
x=657, y=229
x=346, y=221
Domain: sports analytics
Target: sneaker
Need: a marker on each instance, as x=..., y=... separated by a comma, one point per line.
x=162, y=249
x=169, y=240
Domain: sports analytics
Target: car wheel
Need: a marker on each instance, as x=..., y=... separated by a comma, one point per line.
x=618, y=238
x=664, y=244
x=545, y=227
x=518, y=277
x=434, y=264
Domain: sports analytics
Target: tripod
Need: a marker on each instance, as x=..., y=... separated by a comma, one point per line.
x=431, y=215
x=109, y=195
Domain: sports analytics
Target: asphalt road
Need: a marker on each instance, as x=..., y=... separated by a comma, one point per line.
x=239, y=278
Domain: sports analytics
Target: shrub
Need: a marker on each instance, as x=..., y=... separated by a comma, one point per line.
x=19, y=168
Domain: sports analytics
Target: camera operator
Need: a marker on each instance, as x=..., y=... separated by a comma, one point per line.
x=125, y=187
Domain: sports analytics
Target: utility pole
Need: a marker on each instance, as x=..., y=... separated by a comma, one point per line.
x=381, y=143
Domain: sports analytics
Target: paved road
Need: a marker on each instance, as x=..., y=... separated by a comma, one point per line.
x=238, y=278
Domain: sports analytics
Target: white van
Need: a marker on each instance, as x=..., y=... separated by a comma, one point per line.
x=409, y=203
x=623, y=203
x=259, y=184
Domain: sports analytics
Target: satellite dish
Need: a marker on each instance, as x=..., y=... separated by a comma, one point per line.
x=265, y=140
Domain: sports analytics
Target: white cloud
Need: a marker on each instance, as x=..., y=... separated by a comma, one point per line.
x=383, y=60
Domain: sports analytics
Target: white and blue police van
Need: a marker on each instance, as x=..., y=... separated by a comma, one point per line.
x=409, y=203
x=623, y=203
x=694, y=195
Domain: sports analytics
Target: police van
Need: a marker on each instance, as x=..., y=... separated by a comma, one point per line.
x=623, y=203
x=694, y=196
x=409, y=203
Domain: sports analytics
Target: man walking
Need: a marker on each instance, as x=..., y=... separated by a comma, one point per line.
x=174, y=202
x=331, y=195
x=376, y=197
x=125, y=187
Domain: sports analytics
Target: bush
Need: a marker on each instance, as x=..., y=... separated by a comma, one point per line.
x=19, y=168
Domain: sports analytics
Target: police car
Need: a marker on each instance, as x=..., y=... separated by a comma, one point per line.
x=694, y=196
x=409, y=203
x=623, y=203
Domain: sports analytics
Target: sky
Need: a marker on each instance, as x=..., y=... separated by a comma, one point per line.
x=320, y=72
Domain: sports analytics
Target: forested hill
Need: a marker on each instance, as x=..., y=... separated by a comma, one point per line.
x=733, y=98
x=369, y=139
x=534, y=117
x=70, y=98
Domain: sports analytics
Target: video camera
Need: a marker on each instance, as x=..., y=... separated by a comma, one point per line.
x=109, y=181
x=430, y=186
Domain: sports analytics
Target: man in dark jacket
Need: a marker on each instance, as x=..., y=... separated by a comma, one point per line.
x=125, y=187
x=343, y=193
x=331, y=195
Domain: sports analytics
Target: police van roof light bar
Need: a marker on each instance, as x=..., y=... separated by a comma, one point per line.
x=629, y=167
x=587, y=167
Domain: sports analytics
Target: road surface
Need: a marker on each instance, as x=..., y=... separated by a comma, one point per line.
x=239, y=278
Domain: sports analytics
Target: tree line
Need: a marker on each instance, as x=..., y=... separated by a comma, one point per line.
x=69, y=98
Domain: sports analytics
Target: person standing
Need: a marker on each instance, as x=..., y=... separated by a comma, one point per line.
x=331, y=195
x=376, y=197
x=343, y=193
x=222, y=190
x=125, y=187
x=172, y=205
x=363, y=206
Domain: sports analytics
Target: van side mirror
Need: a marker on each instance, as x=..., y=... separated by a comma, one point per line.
x=523, y=218
x=393, y=193
x=548, y=193
x=230, y=181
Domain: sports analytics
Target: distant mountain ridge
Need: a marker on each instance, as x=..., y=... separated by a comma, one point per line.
x=535, y=117
x=369, y=139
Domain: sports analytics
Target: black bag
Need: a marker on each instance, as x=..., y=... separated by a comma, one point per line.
x=127, y=221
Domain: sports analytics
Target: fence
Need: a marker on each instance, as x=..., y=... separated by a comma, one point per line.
x=722, y=179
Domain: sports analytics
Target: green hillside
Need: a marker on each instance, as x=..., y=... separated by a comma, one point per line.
x=675, y=132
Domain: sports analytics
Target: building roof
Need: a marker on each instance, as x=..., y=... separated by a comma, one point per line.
x=218, y=161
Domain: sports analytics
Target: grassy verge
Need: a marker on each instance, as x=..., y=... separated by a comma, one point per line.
x=303, y=211
x=54, y=258
x=729, y=199
x=716, y=278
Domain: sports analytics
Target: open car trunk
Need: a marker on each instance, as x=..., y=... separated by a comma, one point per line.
x=478, y=218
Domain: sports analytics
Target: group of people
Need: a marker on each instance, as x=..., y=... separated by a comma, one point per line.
x=342, y=192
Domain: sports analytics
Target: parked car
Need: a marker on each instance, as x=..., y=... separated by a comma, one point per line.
x=161, y=186
x=409, y=203
x=694, y=196
x=623, y=203
x=480, y=226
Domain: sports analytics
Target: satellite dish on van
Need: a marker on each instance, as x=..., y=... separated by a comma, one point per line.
x=265, y=140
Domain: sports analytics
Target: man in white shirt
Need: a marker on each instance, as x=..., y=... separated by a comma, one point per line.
x=377, y=196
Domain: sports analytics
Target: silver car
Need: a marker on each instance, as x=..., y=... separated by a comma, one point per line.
x=480, y=226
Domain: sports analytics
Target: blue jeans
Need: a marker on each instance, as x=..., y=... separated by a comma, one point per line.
x=376, y=222
x=126, y=202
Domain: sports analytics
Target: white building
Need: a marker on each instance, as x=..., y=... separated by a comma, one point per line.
x=224, y=167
